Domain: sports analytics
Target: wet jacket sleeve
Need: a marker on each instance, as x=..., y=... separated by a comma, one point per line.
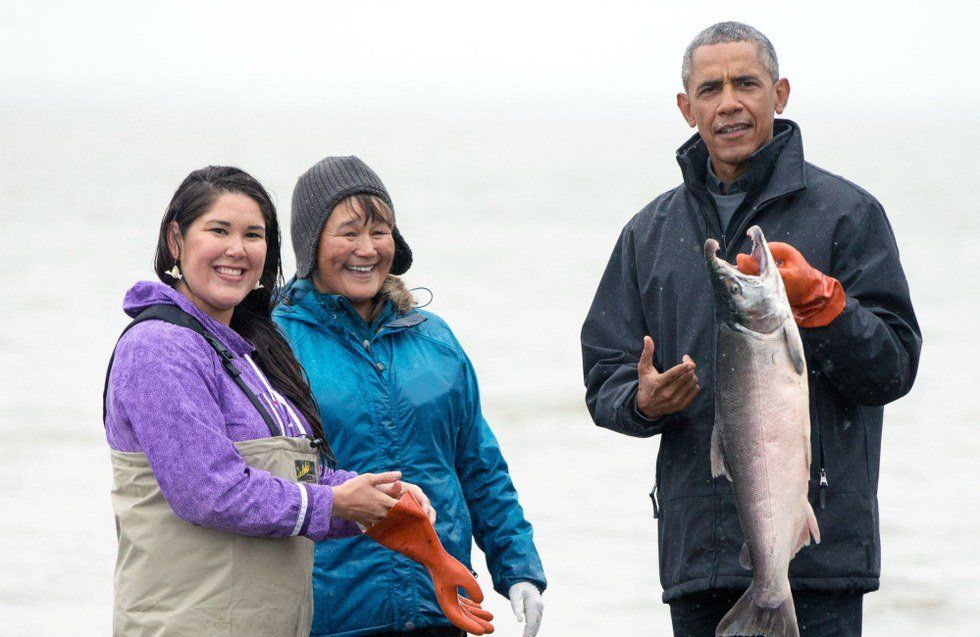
x=870, y=352
x=499, y=526
x=612, y=340
x=169, y=396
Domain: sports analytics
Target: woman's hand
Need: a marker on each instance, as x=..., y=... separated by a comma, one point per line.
x=366, y=499
x=525, y=599
x=397, y=488
x=422, y=499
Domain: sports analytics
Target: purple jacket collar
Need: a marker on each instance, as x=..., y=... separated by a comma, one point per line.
x=146, y=293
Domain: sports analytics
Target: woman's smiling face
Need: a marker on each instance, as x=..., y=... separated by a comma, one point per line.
x=355, y=252
x=221, y=255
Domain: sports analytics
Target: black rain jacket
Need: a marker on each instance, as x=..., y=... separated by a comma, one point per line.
x=657, y=284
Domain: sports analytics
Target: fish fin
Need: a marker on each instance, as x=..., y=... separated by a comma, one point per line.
x=808, y=530
x=795, y=346
x=811, y=523
x=744, y=557
x=803, y=539
x=718, y=456
x=747, y=617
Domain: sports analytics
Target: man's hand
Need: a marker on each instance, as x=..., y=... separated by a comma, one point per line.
x=667, y=393
x=815, y=298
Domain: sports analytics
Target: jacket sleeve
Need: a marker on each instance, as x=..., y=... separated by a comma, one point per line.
x=499, y=526
x=870, y=352
x=170, y=398
x=612, y=340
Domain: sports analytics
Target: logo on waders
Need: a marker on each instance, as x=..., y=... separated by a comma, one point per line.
x=305, y=471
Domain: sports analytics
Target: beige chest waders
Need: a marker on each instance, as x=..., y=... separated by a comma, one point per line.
x=174, y=578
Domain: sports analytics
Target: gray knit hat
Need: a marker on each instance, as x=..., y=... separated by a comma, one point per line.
x=317, y=193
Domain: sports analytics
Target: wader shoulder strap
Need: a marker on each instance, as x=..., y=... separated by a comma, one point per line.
x=176, y=316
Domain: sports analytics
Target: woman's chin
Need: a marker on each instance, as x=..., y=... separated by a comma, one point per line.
x=361, y=293
x=228, y=300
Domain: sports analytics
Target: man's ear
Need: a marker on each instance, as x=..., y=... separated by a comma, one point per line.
x=684, y=105
x=173, y=240
x=782, y=94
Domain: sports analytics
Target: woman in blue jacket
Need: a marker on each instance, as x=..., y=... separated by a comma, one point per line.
x=395, y=389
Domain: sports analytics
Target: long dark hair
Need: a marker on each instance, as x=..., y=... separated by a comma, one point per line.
x=252, y=318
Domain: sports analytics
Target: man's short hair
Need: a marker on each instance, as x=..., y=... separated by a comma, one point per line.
x=731, y=32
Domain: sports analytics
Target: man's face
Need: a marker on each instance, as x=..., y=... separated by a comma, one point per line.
x=732, y=100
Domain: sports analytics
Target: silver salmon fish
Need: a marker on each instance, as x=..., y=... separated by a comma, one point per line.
x=761, y=436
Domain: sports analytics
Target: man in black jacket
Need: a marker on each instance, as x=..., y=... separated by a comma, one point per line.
x=654, y=311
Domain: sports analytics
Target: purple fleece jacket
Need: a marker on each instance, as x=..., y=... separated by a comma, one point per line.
x=170, y=398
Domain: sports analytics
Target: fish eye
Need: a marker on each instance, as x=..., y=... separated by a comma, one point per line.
x=734, y=288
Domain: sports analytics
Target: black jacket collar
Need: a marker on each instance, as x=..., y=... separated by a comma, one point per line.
x=775, y=169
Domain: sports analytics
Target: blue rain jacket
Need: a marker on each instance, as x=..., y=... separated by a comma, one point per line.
x=402, y=395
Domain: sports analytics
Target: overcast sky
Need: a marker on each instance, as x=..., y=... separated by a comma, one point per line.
x=870, y=55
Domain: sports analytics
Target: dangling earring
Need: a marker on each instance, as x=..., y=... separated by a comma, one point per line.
x=174, y=273
x=258, y=285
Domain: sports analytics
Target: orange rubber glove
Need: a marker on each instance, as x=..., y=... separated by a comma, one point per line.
x=407, y=530
x=815, y=298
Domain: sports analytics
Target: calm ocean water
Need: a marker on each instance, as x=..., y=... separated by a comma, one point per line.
x=511, y=216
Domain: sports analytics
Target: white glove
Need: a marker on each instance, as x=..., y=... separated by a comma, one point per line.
x=525, y=599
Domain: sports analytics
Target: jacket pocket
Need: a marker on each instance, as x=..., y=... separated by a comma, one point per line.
x=838, y=438
x=655, y=491
x=839, y=475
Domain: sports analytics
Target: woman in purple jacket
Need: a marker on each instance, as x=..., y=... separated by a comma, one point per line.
x=217, y=450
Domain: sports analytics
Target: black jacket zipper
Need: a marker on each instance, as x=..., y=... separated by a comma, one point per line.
x=743, y=225
x=815, y=416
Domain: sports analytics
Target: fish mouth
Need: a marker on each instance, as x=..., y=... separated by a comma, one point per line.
x=750, y=301
x=721, y=268
x=760, y=252
x=710, y=250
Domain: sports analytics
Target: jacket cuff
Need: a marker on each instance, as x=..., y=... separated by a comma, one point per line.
x=317, y=526
x=826, y=340
x=531, y=572
x=506, y=585
x=343, y=528
x=824, y=308
x=636, y=424
x=305, y=525
x=639, y=414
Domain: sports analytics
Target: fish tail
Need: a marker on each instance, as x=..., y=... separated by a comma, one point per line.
x=747, y=617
